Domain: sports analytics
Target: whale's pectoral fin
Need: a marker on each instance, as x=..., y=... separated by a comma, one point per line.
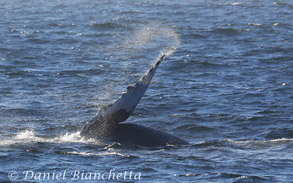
x=123, y=107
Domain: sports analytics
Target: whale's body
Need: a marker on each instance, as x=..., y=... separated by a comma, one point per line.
x=106, y=125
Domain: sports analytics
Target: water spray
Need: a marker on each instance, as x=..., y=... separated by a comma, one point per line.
x=155, y=33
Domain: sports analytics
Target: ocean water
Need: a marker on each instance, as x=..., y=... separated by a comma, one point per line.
x=226, y=89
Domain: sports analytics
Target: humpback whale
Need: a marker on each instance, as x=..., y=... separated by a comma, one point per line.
x=106, y=124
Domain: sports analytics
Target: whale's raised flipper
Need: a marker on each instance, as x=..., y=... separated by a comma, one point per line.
x=105, y=125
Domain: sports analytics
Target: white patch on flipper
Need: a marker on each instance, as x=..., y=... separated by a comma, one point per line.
x=133, y=94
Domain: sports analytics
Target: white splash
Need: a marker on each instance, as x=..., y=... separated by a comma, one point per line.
x=69, y=137
x=28, y=136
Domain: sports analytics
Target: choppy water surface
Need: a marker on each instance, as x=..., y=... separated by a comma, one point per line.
x=227, y=89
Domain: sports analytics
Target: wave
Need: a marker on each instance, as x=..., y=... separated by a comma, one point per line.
x=94, y=154
x=105, y=25
x=261, y=144
x=232, y=176
x=234, y=3
x=247, y=144
x=280, y=134
x=225, y=31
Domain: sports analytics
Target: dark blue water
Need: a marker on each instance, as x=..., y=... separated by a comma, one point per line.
x=227, y=89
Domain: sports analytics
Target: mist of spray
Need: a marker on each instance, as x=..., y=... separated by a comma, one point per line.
x=156, y=35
